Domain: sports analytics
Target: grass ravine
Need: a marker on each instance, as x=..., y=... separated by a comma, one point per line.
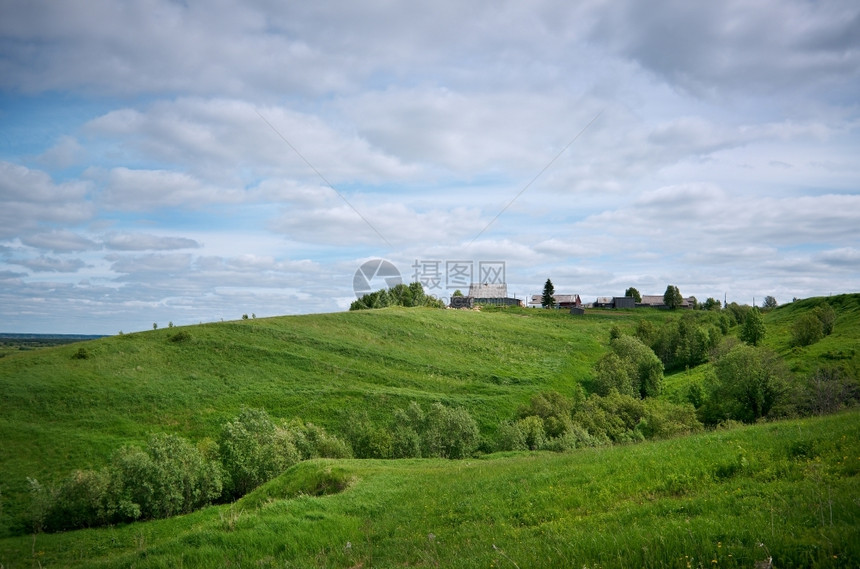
x=782, y=494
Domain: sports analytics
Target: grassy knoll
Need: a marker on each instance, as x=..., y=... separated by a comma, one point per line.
x=721, y=499
x=60, y=412
x=72, y=406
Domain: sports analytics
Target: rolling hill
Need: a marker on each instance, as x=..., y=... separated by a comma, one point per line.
x=72, y=406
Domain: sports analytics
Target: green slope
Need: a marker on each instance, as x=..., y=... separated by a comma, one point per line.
x=59, y=412
x=723, y=499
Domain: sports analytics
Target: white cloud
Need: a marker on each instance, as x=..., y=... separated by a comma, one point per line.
x=59, y=241
x=739, y=46
x=143, y=242
x=51, y=264
x=30, y=198
x=66, y=152
x=140, y=182
x=143, y=190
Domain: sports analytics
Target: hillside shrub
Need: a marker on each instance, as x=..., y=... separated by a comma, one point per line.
x=533, y=433
x=643, y=375
x=510, y=436
x=81, y=354
x=610, y=374
x=368, y=439
x=253, y=450
x=181, y=336
x=827, y=316
x=81, y=501
x=753, y=331
x=167, y=478
x=553, y=409
x=399, y=295
x=806, y=330
x=747, y=384
x=830, y=389
x=405, y=438
x=312, y=441
x=449, y=433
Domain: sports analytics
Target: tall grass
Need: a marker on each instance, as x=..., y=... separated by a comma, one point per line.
x=721, y=499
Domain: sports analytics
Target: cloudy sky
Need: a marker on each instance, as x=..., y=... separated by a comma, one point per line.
x=182, y=161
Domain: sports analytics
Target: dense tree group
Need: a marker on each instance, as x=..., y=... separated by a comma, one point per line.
x=170, y=476
x=410, y=295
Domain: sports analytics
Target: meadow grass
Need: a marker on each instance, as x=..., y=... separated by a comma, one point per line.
x=731, y=498
x=59, y=413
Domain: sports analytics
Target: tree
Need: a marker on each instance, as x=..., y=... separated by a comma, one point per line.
x=632, y=292
x=827, y=316
x=547, y=299
x=806, y=330
x=712, y=304
x=458, y=292
x=672, y=297
x=753, y=331
x=747, y=383
x=769, y=302
x=253, y=450
x=634, y=370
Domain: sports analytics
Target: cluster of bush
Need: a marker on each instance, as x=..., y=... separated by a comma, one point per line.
x=813, y=325
x=440, y=432
x=750, y=383
x=400, y=295
x=171, y=476
x=555, y=422
x=686, y=341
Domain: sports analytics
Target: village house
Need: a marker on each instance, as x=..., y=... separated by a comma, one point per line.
x=493, y=294
x=560, y=300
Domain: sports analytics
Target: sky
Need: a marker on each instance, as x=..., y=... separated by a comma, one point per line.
x=179, y=162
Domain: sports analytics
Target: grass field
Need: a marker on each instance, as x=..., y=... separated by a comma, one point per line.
x=72, y=406
x=723, y=499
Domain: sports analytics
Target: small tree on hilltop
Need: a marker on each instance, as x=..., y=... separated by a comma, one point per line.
x=633, y=293
x=547, y=299
x=769, y=302
x=672, y=297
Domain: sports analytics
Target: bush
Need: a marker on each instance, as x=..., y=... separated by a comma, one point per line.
x=533, y=432
x=81, y=501
x=553, y=409
x=317, y=443
x=449, y=433
x=827, y=316
x=621, y=418
x=511, y=437
x=611, y=374
x=81, y=354
x=830, y=389
x=746, y=385
x=643, y=367
x=806, y=330
x=753, y=330
x=169, y=477
x=253, y=451
x=367, y=439
x=182, y=336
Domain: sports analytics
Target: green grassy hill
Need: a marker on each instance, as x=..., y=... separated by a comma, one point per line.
x=72, y=406
x=59, y=412
x=723, y=499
